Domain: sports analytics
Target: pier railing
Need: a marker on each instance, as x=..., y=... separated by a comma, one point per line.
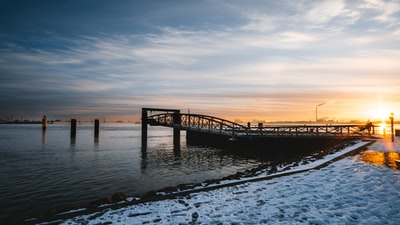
x=211, y=124
x=307, y=130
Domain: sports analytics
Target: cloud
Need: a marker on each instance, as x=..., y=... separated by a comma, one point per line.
x=384, y=11
x=273, y=57
x=260, y=22
x=324, y=11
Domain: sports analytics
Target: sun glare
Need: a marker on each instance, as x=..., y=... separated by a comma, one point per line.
x=382, y=128
x=380, y=113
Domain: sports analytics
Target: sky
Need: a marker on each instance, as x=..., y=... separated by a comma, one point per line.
x=263, y=60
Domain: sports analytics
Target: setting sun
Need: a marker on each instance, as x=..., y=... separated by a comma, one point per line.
x=381, y=113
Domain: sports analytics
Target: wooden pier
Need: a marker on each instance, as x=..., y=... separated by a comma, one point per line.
x=214, y=131
x=210, y=124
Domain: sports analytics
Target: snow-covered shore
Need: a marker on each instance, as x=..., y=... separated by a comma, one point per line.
x=348, y=191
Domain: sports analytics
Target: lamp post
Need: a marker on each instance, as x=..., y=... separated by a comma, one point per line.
x=391, y=125
x=316, y=110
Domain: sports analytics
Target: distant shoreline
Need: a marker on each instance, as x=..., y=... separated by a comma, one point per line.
x=21, y=122
x=65, y=122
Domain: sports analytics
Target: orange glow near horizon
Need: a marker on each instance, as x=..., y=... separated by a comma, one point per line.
x=344, y=108
x=337, y=112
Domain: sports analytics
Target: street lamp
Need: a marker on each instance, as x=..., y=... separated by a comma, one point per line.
x=316, y=110
x=391, y=125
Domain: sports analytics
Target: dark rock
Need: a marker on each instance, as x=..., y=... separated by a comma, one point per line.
x=139, y=214
x=286, y=168
x=184, y=186
x=168, y=189
x=239, y=174
x=212, y=181
x=99, y=202
x=197, y=205
x=272, y=170
x=183, y=202
x=118, y=197
x=195, y=215
x=157, y=220
x=150, y=194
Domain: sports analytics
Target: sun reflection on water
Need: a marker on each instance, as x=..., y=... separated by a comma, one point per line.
x=381, y=158
x=382, y=128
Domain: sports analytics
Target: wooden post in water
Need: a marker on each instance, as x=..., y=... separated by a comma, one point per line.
x=144, y=129
x=73, y=129
x=44, y=123
x=96, y=129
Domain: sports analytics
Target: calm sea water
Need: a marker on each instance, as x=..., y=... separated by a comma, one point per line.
x=40, y=171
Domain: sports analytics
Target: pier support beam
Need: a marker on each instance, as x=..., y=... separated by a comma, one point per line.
x=177, y=131
x=176, y=117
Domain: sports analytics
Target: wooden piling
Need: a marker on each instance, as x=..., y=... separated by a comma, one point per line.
x=44, y=123
x=96, y=128
x=73, y=128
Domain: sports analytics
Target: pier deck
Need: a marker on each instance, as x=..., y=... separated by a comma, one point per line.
x=214, y=125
